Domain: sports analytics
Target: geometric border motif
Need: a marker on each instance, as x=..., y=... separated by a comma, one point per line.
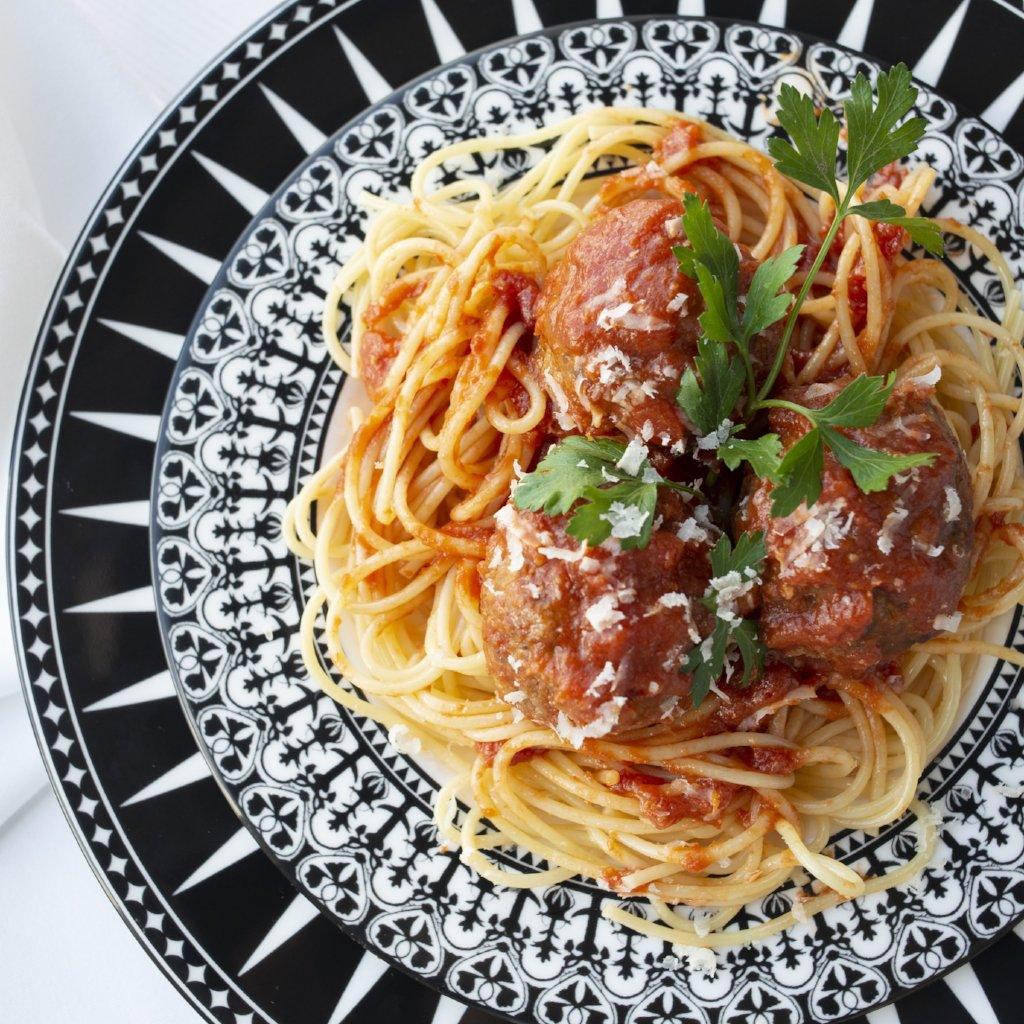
x=344, y=814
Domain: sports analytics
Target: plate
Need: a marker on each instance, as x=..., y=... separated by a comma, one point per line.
x=339, y=809
x=222, y=923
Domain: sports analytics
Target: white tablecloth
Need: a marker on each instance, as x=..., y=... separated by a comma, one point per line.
x=80, y=81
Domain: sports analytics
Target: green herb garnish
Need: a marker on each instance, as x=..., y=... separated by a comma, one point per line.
x=735, y=570
x=875, y=138
x=615, y=484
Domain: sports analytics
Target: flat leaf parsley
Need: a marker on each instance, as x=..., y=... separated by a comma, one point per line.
x=614, y=483
x=736, y=571
x=710, y=392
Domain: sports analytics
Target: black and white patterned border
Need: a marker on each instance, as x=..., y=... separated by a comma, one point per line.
x=140, y=889
x=324, y=792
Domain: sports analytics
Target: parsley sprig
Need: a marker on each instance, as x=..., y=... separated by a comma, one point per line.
x=859, y=404
x=615, y=485
x=734, y=569
x=876, y=137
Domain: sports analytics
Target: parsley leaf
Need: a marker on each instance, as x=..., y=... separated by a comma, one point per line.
x=871, y=469
x=766, y=304
x=874, y=136
x=749, y=553
x=810, y=157
x=799, y=475
x=763, y=453
x=707, y=661
x=708, y=247
x=751, y=650
x=713, y=261
x=616, y=495
x=709, y=401
x=859, y=404
x=923, y=231
x=565, y=473
x=630, y=504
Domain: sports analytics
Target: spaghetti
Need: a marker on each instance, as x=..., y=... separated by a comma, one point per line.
x=397, y=524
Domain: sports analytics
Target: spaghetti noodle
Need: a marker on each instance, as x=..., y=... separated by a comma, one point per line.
x=397, y=524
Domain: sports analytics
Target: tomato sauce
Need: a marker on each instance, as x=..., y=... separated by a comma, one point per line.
x=665, y=802
x=488, y=750
x=520, y=292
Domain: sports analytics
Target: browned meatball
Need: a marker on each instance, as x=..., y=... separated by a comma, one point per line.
x=591, y=641
x=617, y=324
x=858, y=578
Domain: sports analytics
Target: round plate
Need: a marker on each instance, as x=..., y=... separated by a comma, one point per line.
x=340, y=810
x=221, y=922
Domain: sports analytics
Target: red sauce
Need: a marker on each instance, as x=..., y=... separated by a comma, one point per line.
x=377, y=352
x=772, y=760
x=468, y=531
x=379, y=347
x=488, y=750
x=665, y=802
x=508, y=387
x=773, y=685
x=612, y=877
x=520, y=292
x=891, y=239
x=891, y=174
x=680, y=138
x=857, y=292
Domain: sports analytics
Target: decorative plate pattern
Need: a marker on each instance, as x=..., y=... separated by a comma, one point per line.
x=340, y=810
x=216, y=916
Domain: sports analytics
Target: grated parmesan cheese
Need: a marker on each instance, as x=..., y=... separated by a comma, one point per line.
x=514, y=663
x=569, y=555
x=927, y=380
x=625, y=520
x=678, y=303
x=889, y=528
x=953, y=505
x=514, y=696
x=947, y=623
x=728, y=590
x=823, y=529
x=507, y=519
x=710, y=442
x=701, y=960
x=675, y=599
x=625, y=315
x=633, y=457
x=401, y=737
x=610, y=362
x=606, y=720
x=604, y=613
x=533, y=590
x=690, y=529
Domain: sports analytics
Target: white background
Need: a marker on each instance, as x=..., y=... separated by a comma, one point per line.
x=80, y=81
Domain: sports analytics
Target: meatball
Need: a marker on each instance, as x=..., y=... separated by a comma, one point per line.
x=617, y=324
x=858, y=578
x=591, y=640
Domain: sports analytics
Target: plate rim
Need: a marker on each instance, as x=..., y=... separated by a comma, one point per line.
x=550, y=32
